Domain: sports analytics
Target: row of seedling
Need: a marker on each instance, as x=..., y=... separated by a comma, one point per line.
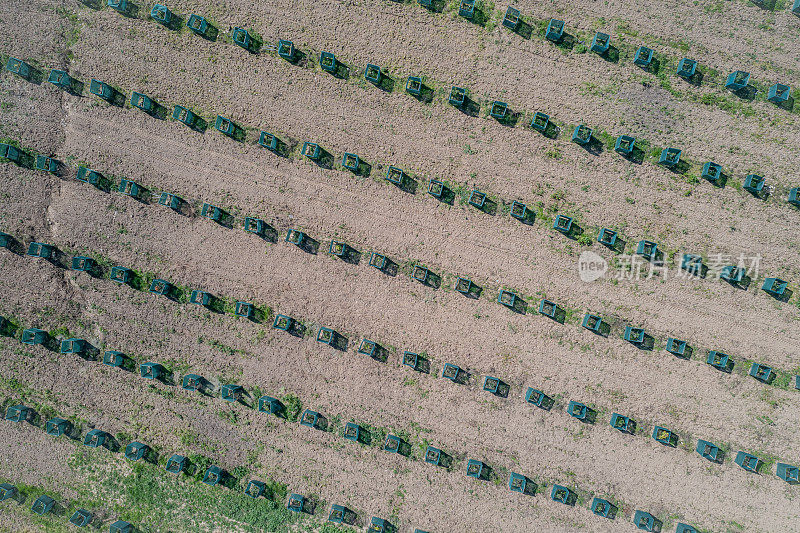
x=211, y=475
x=733, y=274
x=647, y=249
x=353, y=431
x=625, y=144
x=554, y=30
x=176, y=464
x=46, y=505
x=737, y=81
x=230, y=392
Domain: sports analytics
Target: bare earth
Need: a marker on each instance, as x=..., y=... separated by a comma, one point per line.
x=303, y=103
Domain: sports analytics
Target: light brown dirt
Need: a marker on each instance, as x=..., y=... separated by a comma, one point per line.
x=652, y=387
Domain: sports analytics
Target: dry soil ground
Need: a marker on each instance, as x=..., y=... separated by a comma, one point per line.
x=303, y=103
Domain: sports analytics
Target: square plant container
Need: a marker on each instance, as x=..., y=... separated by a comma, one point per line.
x=540, y=121
x=601, y=43
x=624, y=145
x=622, y=423
x=411, y=359
x=593, y=323
x=753, y=183
x=762, y=373
x=498, y=110
x=378, y=261
x=676, y=347
x=311, y=150
x=350, y=162
x=708, y=450
x=101, y=89
x=563, y=224
x=536, y=397
x=665, y=436
x=718, y=360
x=161, y=14
x=737, y=80
x=582, y=134
x=436, y=188
x=647, y=249
x=47, y=164
x=779, y=93
x=748, y=461
x=286, y=49
x=395, y=176
x=373, y=74
x=477, y=199
x=421, y=274
x=519, y=210
x=414, y=85
x=296, y=237
x=464, y=285
x=774, y=287
x=327, y=61
x=643, y=57
x=458, y=96
x=466, y=8
x=512, y=18
x=507, y=298
x=711, y=171
x=669, y=157
x=451, y=371
x=555, y=30
x=634, y=335
x=794, y=196
x=687, y=68
x=283, y=322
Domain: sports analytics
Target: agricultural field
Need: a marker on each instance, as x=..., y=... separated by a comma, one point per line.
x=420, y=266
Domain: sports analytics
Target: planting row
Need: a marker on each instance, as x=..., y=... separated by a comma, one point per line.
x=735, y=275
x=688, y=69
x=438, y=189
x=45, y=504
x=214, y=475
x=413, y=360
x=628, y=146
x=176, y=464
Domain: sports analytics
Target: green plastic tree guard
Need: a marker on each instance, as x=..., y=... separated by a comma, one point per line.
x=176, y=464
x=296, y=503
x=512, y=18
x=255, y=488
x=135, y=451
x=55, y=427
x=458, y=96
x=34, y=336
x=19, y=67
x=120, y=526
x=643, y=57
x=327, y=61
x=601, y=43
x=46, y=164
x=748, y=461
x=687, y=68
x=7, y=491
x=17, y=413
x=161, y=14
x=80, y=518
x=43, y=504
x=96, y=438
x=213, y=475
